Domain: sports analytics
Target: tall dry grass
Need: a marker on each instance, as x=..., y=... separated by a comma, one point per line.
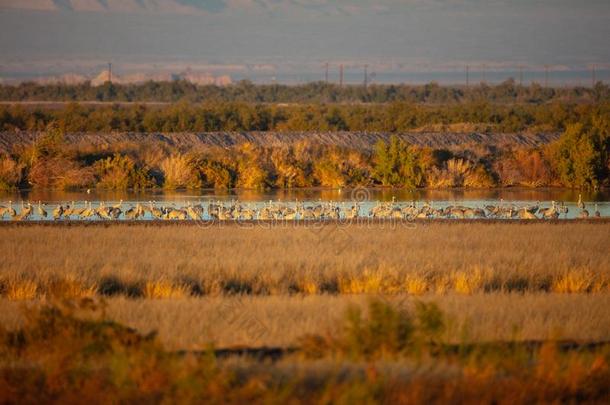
x=429, y=259
x=191, y=323
x=69, y=353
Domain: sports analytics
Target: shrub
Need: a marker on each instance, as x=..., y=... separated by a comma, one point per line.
x=59, y=173
x=459, y=173
x=10, y=172
x=398, y=164
x=179, y=171
x=385, y=332
x=578, y=156
x=121, y=172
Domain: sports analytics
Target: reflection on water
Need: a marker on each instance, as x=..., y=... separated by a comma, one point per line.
x=340, y=199
x=373, y=194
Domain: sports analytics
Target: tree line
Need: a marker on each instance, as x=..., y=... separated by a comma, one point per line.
x=234, y=116
x=317, y=92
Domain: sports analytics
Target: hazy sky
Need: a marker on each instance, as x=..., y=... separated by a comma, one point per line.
x=417, y=34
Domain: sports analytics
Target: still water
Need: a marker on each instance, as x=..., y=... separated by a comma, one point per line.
x=368, y=198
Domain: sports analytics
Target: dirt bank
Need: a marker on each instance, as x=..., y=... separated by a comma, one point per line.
x=356, y=140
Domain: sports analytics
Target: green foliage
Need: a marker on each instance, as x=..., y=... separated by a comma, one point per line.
x=580, y=155
x=386, y=331
x=468, y=116
x=317, y=92
x=398, y=164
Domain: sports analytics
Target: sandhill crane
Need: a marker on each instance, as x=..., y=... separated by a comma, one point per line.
x=69, y=210
x=178, y=214
x=524, y=213
x=87, y=212
x=580, y=204
x=597, y=214
x=354, y=212
x=583, y=214
x=532, y=208
x=78, y=211
x=103, y=212
x=6, y=210
x=115, y=212
x=10, y=210
x=41, y=211
x=192, y=214
x=550, y=213
x=58, y=212
x=133, y=212
x=154, y=211
x=25, y=212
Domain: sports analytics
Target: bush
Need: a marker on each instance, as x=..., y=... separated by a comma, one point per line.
x=59, y=173
x=578, y=156
x=398, y=164
x=179, y=171
x=10, y=173
x=386, y=332
x=121, y=172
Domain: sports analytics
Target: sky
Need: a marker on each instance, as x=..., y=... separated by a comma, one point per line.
x=408, y=35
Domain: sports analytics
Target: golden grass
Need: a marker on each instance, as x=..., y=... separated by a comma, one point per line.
x=21, y=290
x=162, y=289
x=415, y=285
x=468, y=283
x=379, y=353
x=430, y=259
x=193, y=322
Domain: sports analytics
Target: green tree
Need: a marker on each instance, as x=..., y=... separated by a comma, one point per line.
x=578, y=156
x=397, y=164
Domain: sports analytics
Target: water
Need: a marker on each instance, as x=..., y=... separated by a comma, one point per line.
x=578, y=77
x=368, y=198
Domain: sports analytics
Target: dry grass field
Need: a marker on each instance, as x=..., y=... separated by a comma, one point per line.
x=401, y=313
x=175, y=261
x=279, y=321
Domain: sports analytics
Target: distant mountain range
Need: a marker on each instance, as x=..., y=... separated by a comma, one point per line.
x=200, y=78
x=179, y=6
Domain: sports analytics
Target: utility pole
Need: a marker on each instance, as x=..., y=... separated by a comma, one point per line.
x=326, y=74
x=110, y=72
x=366, y=78
x=341, y=75
x=467, y=75
x=520, y=75
x=546, y=75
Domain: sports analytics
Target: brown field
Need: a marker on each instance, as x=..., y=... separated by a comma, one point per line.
x=423, y=258
x=194, y=323
x=390, y=313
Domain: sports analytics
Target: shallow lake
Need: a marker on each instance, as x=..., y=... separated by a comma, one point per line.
x=368, y=198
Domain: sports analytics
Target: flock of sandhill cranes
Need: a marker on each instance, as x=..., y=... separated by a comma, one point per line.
x=235, y=210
